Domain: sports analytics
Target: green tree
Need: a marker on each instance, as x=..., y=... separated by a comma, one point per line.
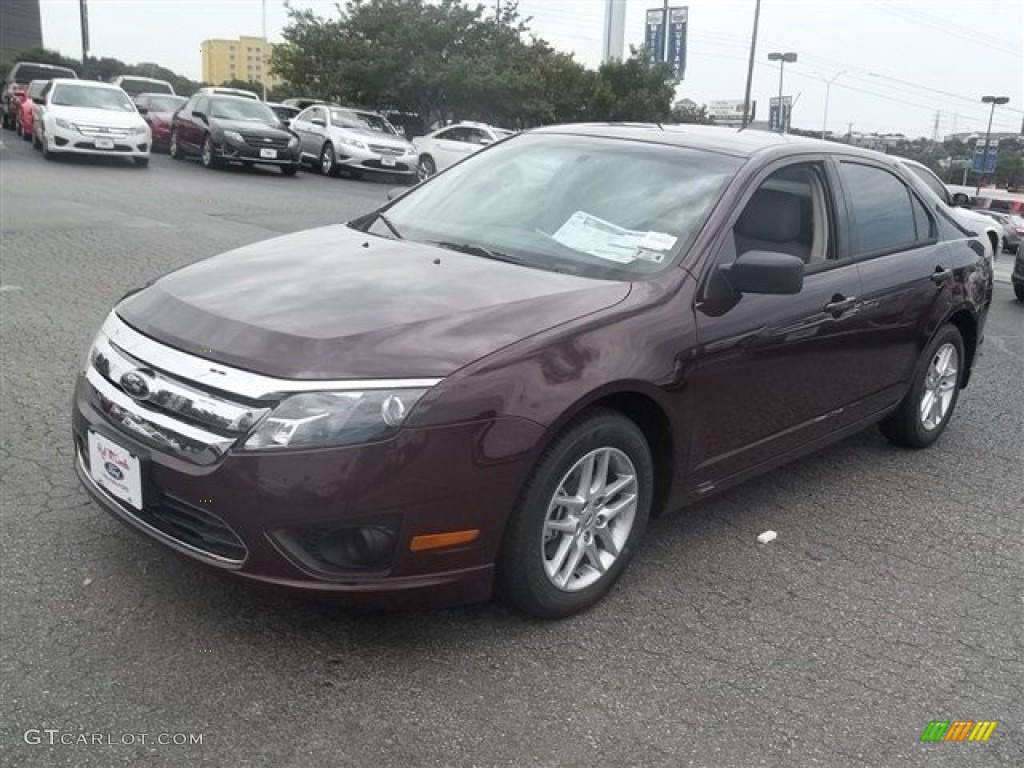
x=691, y=113
x=636, y=89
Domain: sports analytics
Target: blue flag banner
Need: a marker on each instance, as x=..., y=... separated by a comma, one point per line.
x=656, y=33
x=677, y=20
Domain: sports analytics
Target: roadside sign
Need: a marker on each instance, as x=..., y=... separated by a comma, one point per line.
x=656, y=33
x=677, y=21
x=982, y=164
x=779, y=123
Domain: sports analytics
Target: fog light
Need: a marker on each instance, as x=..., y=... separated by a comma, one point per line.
x=369, y=546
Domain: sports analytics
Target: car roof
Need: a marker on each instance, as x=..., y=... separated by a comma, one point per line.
x=140, y=77
x=721, y=139
x=40, y=64
x=85, y=83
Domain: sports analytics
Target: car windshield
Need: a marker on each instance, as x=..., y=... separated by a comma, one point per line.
x=161, y=103
x=591, y=206
x=113, y=99
x=362, y=121
x=133, y=86
x=25, y=74
x=241, y=109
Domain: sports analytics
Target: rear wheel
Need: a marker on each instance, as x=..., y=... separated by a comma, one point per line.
x=36, y=143
x=581, y=517
x=289, y=170
x=6, y=119
x=17, y=128
x=927, y=408
x=26, y=135
x=1018, y=290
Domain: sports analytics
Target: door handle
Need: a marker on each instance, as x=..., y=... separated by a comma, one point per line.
x=941, y=275
x=840, y=304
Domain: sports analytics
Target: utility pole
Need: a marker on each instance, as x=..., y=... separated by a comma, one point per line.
x=84, y=14
x=849, y=133
x=935, y=130
x=263, y=69
x=993, y=100
x=750, y=68
x=828, y=88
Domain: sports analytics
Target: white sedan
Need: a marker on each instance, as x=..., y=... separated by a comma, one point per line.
x=450, y=144
x=89, y=118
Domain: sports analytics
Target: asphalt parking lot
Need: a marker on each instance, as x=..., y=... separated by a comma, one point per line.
x=892, y=596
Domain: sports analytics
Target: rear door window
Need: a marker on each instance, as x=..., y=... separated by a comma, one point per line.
x=882, y=216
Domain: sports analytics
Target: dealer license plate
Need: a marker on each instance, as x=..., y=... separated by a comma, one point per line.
x=269, y=154
x=115, y=469
x=104, y=143
x=388, y=162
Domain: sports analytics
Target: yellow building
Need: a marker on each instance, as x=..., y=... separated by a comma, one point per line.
x=247, y=58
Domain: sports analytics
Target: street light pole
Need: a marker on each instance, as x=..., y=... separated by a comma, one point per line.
x=828, y=87
x=263, y=68
x=782, y=58
x=993, y=100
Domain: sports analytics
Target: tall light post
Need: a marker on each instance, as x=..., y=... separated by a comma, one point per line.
x=750, y=67
x=993, y=100
x=828, y=87
x=783, y=59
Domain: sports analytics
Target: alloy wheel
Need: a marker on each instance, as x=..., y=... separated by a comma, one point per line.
x=939, y=386
x=589, y=519
x=327, y=160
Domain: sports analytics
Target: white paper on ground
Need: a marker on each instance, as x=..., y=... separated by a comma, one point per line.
x=767, y=536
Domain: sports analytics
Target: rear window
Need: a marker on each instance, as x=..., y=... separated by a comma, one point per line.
x=164, y=103
x=133, y=86
x=24, y=73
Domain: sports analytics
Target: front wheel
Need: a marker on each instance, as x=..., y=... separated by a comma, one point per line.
x=328, y=160
x=427, y=168
x=580, y=519
x=209, y=158
x=289, y=170
x=1018, y=291
x=926, y=409
x=141, y=162
x=175, y=149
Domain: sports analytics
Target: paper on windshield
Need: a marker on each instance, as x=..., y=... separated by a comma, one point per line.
x=589, y=234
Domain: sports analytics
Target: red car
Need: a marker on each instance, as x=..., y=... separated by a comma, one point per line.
x=157, y=109
x=24, y=122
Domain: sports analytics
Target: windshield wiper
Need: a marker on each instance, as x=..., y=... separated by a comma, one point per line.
x=478, y=250
x=389, y=225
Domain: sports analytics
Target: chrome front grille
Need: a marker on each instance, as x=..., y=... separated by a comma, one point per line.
x=103, y=132
x=381, y=149
x=265, y=142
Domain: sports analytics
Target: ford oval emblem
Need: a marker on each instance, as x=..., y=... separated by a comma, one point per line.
x=135, y=384
x=114, y=471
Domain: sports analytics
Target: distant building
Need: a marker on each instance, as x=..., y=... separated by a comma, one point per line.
x=247, y=58
x=20, y=28
x=614, y=30
x=969, y=136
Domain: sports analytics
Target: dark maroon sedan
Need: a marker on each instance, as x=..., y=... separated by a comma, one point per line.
x=498, y=377
x=158, y=109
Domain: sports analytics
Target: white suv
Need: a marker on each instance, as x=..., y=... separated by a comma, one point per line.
x=450, y=144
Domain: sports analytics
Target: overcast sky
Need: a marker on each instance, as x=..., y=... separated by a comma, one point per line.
x=903, y=60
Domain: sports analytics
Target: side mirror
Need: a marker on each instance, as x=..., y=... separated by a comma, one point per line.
x=319, y=121
x=766, y=272
x=961, y=200
x=200, y=116
x=38, y=100
x=142, y=110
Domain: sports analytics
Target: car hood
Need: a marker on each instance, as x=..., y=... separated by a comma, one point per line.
x=373, y=137
x=335, y=303
x=251, y=127
x=975, y=221
x=91, y=116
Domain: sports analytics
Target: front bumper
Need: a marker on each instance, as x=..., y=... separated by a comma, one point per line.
x=72, y=141
x=232, y=151
x=355, y=159
x=421, y=482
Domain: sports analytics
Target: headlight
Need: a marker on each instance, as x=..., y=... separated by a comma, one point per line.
x=234, y=136
x=352, y=143
x=320, y=419
x=65, y=124
x=141, y=129
x=293, y=141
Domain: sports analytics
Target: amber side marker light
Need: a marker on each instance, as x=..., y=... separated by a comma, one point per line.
x=439, y=540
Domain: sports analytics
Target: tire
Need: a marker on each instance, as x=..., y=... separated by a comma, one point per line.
x=936, y=380
x=535, y=566
x=26, y=135
x=248, y=165
x=6, y=119
x=1018, y=291
x=141, y=162
x=209, y=158
x=175, y=149
x=289, y=170
x=328, y=161
x=36, y=143
x=17, y=128
x=47, y=154
x=427, y=168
